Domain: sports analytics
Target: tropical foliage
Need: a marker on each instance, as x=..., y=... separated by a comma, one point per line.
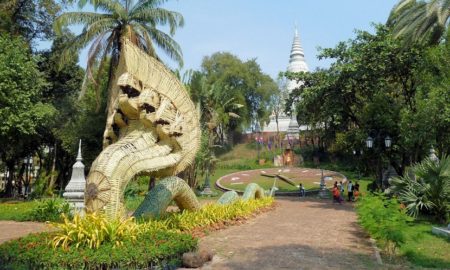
x=159, y=250
x=231, y=94
x=378, y=87
x=214, y=213
x=50, y=210
x=384, y=220
x=116, y=20
x=420, y=20
x=426, y=190
x=24, y=112
x=94, y=230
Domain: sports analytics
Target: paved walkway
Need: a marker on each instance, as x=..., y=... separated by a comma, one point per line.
x=298, y=234
x=12, y=229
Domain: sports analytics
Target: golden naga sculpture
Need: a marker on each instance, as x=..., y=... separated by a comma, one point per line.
x=153, y=129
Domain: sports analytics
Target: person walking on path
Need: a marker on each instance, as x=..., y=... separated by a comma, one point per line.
x=356, y=191
x=350, y=190
x=302, y=190
x=342, y=190
x=336, y=194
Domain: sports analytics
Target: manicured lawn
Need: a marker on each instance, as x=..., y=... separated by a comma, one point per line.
x=16, y=210
x=422, y=248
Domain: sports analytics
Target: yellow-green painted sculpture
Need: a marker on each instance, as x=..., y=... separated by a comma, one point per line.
x=152, y=129
x=167, y=190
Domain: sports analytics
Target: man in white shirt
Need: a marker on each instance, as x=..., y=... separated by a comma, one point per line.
x=350, y=190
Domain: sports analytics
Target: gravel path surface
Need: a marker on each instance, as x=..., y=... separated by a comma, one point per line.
x=300, y=233
x=12, y=229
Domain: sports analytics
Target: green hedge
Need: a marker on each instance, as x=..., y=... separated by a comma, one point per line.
x=160, y=249
x=384, y=219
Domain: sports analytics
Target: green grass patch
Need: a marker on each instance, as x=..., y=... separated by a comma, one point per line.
x=17, y=210
x=132, y=203
x=422, y=248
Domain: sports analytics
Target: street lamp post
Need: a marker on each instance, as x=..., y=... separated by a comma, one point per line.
x=387, y=144
x=257, y=131
x=356, y=153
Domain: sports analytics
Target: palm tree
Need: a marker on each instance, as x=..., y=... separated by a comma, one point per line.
x=118, y=19
x=420, y=20
x=428, y=191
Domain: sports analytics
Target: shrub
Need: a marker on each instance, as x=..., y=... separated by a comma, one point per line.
x=94, y=230
x=159, y=250
x=429, y=192
x=214, y=213
x=50, y=210
x=384, y=220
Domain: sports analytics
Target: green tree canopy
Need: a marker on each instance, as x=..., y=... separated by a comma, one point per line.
x=31, y=19
x=242, y=80
x=22, y=110
x=373, y=89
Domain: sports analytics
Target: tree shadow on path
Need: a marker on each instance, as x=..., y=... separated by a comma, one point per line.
x=298, y=256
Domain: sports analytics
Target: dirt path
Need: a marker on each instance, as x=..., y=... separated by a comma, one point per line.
x=12, y=229
x=298, y=234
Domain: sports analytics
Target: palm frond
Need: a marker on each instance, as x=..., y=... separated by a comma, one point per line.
x=159, y=16
x=166, y=43
x=420, y=20
x=84, y=18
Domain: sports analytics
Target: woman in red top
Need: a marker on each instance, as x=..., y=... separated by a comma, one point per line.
x=336, y=193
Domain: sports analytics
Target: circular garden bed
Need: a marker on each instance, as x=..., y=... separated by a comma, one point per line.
x=310, y=178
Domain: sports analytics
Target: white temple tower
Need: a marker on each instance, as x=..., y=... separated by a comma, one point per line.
x=297, y=63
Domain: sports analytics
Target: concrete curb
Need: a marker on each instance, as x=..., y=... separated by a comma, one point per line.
x=376, y=251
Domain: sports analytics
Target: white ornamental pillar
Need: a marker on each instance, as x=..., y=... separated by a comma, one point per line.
x=74, y=191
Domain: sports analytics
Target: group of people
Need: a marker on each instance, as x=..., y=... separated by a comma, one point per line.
x=339, y=189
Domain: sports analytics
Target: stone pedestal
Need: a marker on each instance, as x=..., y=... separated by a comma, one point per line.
x=207, y=191
x=323, y=192
x=74, y=191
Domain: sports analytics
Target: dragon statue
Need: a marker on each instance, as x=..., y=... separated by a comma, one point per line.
x=152, y=129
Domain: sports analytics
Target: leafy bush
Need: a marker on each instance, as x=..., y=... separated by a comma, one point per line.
x=213, y=213
x=429, y=192
x=384, y=220
x=94, y=230
x=158, y=250
x=50, y=210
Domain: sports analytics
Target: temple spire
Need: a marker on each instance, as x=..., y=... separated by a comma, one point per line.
x=297, y=61
x=79, y=158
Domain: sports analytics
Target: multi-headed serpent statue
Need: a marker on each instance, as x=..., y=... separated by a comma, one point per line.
x=153, y=129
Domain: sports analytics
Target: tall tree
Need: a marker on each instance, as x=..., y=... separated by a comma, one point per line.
x=245, y=82
x=420, y=20
x=63, y=85
x=368, y=90
x=31, y=19
x=116, y=20
x=23, y=112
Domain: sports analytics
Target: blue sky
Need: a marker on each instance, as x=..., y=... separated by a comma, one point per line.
x=264, y=29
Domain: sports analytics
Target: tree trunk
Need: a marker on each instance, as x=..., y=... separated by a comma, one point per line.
x=52, y=172
x=20, y=179
x=9, y=183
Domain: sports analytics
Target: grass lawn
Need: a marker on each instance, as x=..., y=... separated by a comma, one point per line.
x=422, y=248
x=16, y=210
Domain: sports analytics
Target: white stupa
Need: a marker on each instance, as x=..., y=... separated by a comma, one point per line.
x=74, y=191
x=297, y=63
